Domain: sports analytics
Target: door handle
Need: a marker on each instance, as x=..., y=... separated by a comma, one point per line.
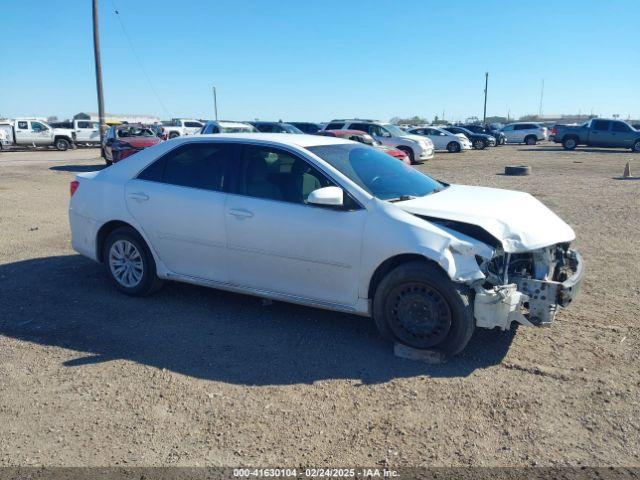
x=240, y=213
x=139, y=196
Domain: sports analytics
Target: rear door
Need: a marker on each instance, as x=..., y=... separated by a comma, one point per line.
x=179, y=201
x=24, y=135
x=87, y=131
x=600, y=134
x=278, y=243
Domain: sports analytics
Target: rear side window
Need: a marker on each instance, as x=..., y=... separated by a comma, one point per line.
x=601, y=125
x=193, y=124
x=23, y=125
x=522, y=127
x=201, y=165
x=335, y=126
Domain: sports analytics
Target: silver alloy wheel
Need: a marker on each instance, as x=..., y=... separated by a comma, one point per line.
x=636, y=147
x=570, y=143
x=125, y=263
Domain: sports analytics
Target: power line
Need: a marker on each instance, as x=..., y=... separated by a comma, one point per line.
x=137, y=57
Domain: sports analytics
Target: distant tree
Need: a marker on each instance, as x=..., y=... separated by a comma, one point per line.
x=415, y=120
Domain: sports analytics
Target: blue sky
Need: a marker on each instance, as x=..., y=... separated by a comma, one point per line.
x=316, y=60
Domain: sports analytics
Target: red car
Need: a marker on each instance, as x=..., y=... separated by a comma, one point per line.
x=124, y=140
x=363, y=137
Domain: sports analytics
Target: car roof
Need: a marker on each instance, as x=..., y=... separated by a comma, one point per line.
x=287, y=139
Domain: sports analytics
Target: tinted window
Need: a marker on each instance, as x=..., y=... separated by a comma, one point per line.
x=620, y=127
x=376, y=172
x=211, y=129
x=264, y=127
x=334, y=126
x=200, y=165
x=38, y=127
x=23, y=125
x=84, y=125
x=363, y=127
x=274, y=174
x=193, y=124
x=602, y=125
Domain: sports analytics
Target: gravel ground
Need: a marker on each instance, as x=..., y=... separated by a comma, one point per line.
x=193, y=376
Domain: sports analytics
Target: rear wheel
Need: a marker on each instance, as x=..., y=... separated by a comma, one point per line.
x=417, y=305
x=129, y=263
x=479, y=144
x=62, y=144
x=636, y=146
x=570, y=143
x=531, y=140
x=453, y=147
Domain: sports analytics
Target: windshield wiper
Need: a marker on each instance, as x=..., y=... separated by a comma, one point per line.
x=401, y=198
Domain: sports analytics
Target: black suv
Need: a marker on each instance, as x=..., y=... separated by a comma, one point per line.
x=480, y=141
x=306, y=127
x=500, y=137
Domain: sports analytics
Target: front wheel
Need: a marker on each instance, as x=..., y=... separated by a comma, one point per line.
x=417, y=305
x=479, y=144
x=531, y=140
x=636, y=146
x=129, y=263
x=453, y=147
x=62, y=144
x=409, y=153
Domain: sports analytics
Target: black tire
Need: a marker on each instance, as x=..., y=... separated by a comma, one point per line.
x=636, y=146
x=62, y=144
x=517, y=170
x=409, y=152
x=569, y=143
x=441, y=311
x=149, y=281
x=173, y=135
x=530, y=139
x=479, y=144
x=453, y=147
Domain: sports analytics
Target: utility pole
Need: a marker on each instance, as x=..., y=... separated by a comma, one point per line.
x=541, y=97
x=215, y=102
x=486, y=86
x=96, y=54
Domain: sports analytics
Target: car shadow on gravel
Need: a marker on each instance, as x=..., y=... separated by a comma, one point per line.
x=78, y=168
x=544, y=148
x=67, y=301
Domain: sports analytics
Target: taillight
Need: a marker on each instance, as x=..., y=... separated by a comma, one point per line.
x=73, y=186
x=554, y=131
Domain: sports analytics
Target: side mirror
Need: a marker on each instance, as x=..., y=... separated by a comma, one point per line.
x=327, y=196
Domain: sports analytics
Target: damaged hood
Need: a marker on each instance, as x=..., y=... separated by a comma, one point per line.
x=516, y=219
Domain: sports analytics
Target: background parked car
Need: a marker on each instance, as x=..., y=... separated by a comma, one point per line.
x=416, y=147
x=306, y=127
x=598, y=132
x=500, y=137
x=275, y=127
x=222, y=126
x=525, y=132
x=443, y=140
x=180, y=127
x=479, y=141
x=122, y=141
x=30, y=132
x=362, y=137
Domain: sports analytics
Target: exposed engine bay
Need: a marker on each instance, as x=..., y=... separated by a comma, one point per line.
x=526, y=287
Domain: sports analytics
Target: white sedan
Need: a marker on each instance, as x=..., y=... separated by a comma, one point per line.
x=329, y=223
x=443, y=140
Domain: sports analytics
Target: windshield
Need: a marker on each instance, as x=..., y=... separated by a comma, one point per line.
x=394, y=130
x=238, y=129
x=135, y=132
x=377, y=172
x=290, y=128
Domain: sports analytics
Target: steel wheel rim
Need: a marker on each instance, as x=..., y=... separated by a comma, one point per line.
x=125, y=263
x=419, y=315
x=571, y=143
x=636, y=147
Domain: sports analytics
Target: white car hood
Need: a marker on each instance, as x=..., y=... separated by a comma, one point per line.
x=518, y=220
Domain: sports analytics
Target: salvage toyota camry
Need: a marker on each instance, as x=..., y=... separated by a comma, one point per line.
x=329, y=223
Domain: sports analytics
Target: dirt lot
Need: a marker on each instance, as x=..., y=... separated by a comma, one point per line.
x=193, y=376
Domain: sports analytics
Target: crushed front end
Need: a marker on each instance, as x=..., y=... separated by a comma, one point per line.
x=526, y=287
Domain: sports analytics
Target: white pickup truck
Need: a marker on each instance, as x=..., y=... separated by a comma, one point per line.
x=28, y=132
x=181, y=127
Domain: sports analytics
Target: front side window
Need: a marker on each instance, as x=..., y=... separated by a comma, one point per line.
x=334, y=126
x=38, y=127
x=620, y=127
x=508, y=128
x=274, y=174
x=376, y=172
x=193, y=124
x=199, y=165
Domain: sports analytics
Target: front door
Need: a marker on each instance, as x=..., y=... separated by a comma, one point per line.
x=622, y=135
x=278, y=243
x=180, y=202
